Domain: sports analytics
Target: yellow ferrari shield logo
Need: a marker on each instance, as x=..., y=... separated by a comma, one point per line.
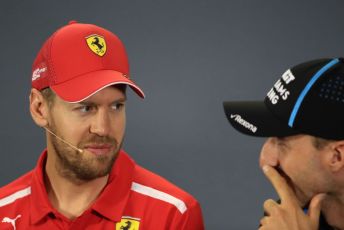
x=128, y=223
x=97, y=44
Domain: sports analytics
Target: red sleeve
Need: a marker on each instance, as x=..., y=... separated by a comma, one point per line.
x=191, y=219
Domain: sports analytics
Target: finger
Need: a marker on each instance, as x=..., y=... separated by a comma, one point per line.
x=264, y=221
x=314, y=209
x=270, y=206
x=279, y=183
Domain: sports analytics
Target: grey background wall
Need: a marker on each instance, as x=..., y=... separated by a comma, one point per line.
x=188, y=56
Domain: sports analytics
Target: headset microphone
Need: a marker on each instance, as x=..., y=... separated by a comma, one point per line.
x=74, y=147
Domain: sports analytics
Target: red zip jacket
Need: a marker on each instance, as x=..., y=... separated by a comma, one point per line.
x=133, y=199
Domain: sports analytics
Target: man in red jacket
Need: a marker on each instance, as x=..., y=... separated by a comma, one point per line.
x=84, y=180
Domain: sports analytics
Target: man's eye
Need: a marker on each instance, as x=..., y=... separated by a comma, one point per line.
x=85, y=109
x=117, y=106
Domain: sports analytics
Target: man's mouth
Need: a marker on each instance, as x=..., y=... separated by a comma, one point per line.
x=99, y=149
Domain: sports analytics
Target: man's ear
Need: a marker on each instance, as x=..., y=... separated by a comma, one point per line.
x=38, y=108
x=337, y=156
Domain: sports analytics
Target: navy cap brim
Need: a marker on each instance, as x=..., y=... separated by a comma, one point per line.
x=254, y=118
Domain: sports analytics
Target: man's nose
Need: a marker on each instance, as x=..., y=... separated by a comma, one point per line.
x=101, y=123
x=269, y=153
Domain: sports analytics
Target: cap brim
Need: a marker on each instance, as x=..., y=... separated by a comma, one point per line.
x=253, y=118
x=84, y=86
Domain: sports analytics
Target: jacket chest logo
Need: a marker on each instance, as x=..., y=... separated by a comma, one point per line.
x=128, y=223
x=11, y=221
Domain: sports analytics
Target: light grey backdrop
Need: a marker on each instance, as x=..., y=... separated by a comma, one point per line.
x=188, y=56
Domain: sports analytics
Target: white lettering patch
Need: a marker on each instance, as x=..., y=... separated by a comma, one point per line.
x=279, y=90
x=37, y=73
x=288, y=76
x=244, y=123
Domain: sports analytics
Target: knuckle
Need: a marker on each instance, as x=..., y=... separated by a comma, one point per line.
x=279, y=213
x=263, y=221
x=268, y=204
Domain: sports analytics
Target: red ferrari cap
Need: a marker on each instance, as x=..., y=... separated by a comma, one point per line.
x=78, y=60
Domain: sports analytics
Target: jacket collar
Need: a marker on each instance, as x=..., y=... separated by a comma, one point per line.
x=110, y=203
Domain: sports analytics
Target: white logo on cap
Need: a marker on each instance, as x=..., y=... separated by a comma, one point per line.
x=279, y=89
x=37, y=73
x=244, y=123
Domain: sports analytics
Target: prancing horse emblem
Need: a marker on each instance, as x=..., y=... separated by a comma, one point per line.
x=127, y=227
x=128, y=223
x=97, y=44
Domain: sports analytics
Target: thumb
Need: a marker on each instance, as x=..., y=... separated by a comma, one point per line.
x=314, y=209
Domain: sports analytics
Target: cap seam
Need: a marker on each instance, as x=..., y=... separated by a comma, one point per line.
x=51, y=64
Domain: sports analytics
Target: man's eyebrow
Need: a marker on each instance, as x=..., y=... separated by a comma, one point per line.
x=85, y=103
x=281, y=138
x=122, y=99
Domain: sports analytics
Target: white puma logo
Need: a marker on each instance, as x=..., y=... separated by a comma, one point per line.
x=11, y=221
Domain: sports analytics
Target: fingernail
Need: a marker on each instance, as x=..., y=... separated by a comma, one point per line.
x=265, y=168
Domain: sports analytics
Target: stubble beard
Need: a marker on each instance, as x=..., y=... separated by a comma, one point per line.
x=79, y=167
